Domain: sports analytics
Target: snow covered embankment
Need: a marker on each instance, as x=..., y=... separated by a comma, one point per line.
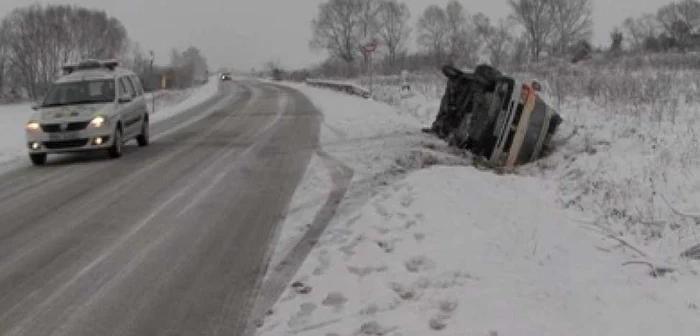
x=462, y=252
x=362, y=141
x=465, y=252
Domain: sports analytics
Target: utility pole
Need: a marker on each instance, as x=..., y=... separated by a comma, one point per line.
x=153, y=80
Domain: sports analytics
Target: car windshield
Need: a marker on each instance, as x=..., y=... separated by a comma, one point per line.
x=83, y=92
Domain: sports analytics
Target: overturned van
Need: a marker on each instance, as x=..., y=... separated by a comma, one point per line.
x=497, y=117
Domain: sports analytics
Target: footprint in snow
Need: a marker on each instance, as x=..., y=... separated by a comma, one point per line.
x=446, y=309
x=410, y=223
x=349, y=249
x=334, y=299
x=407, y=201
x=324, y=260
x=387, y=246
x=365, y=271
x=419, y=264
x=382, y=211
x=373, y=328
x=402, y=291
x=302, y=316
x=301, y=288
x=419, y=236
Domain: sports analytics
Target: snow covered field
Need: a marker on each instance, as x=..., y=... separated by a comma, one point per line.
x=13, y=117
x=584, y=242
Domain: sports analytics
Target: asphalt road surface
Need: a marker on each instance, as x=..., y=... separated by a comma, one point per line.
x=171, y=239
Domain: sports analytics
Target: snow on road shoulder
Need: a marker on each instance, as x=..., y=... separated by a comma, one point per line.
x=457, y=251
x=183, y=100
x=12, y=120
x=350, y=117
x=361, y=137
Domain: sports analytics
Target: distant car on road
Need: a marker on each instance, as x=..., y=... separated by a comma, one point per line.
x=94, y=106
x=226, y=76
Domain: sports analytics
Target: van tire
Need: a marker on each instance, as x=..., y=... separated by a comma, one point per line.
x=144, y=138
x=115, y=151
x=38, y=159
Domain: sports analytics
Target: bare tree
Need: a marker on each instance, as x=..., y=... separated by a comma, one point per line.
x=519, y=56
x=457, y=31
x=679, y=20
x=337, y=27
x=187, y=66
x=536, y=18
x=500, y=41
x=433, y=32
x=616, y=38
x=572, y=22
x=369, y=12
x=393, y=28
x=3, y=70
x=641, y=29
x=38, y=39
x=369, y=26
x=464, y=39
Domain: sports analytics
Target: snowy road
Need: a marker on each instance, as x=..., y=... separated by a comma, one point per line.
x=168, y=240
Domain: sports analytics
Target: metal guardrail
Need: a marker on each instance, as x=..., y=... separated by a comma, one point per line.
x=349, y=88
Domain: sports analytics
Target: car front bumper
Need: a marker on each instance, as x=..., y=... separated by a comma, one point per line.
x=69, y=141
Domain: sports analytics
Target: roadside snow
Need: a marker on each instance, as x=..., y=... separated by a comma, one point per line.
x=174, y=102
x=12, y=120
x=459, y=251
x=361, y=141
x=474, y=253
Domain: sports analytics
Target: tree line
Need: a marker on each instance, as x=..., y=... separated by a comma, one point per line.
x=675, y=26
x=36, y=40
x=452, y=35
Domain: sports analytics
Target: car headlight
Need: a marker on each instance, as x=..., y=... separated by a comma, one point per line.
x=98, y=121
x=33, y=126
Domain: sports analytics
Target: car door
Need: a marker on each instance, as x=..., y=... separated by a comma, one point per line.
x=140, y=101
x=130, y=115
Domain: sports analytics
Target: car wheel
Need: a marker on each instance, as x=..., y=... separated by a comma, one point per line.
x=38, y=159
x=144, y=138
x=116, y=150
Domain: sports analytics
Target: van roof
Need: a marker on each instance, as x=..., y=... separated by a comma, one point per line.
x=92, y=69
x=94, y=74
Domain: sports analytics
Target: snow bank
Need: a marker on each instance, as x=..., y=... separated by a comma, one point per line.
x=346, y=87
x=176, y=103
x=458, y=251
x=12, y=120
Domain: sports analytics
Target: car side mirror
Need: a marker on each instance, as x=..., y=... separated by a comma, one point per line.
x=125, y=98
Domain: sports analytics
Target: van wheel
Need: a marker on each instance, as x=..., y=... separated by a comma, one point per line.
x=486, y=74
x=115, y=151
x=144, y=138
x=38, y=159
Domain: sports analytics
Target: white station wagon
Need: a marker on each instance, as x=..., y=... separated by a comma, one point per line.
x=94, y=106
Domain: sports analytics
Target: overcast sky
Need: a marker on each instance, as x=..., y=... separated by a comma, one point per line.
x=246, y=33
